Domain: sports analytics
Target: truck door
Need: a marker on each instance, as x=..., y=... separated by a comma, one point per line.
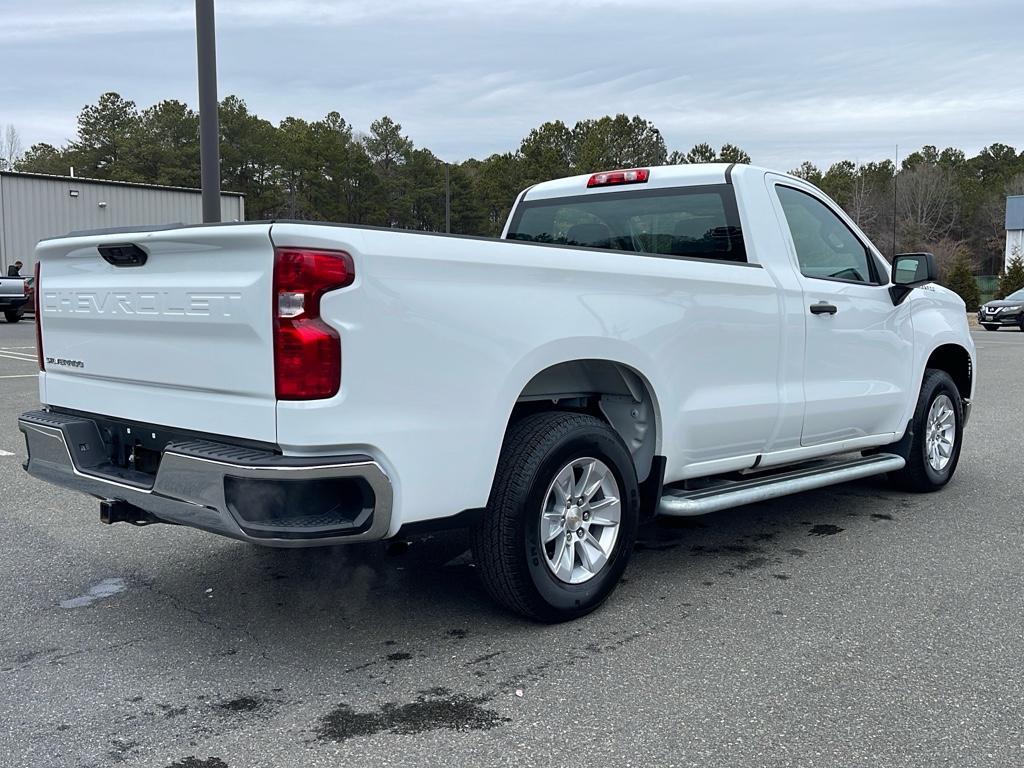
x=859, y=346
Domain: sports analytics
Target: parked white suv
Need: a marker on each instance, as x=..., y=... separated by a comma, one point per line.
x=672, y=340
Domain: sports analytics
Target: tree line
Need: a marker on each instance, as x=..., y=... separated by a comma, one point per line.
x=937, y=200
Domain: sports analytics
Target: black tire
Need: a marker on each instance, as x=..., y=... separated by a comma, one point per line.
x=507, y=540
x=991, y=327
x=918, y=475
x=13, y=317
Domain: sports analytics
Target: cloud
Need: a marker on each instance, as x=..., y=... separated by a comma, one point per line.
x=66, y=18
x=786, y=80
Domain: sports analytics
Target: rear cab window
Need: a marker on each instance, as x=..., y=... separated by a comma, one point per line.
x=683, y=222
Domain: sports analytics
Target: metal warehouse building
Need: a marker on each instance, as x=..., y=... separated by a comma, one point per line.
x=35, y=206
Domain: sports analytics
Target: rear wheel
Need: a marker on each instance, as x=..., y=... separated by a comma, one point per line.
x=13, y=317
x=937, y=435
x=561, y=519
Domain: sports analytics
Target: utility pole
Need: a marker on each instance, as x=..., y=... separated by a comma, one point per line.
x=209, y=127
x=447, y=201
x=895, y=182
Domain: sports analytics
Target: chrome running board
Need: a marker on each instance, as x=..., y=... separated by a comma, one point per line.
x=679, y=502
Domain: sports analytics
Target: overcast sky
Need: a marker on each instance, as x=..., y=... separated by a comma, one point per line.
x=786, y=80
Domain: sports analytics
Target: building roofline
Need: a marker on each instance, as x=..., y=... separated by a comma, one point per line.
x=87, y=179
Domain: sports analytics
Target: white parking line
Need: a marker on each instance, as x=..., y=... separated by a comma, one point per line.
x=5, y=453
x=11, y=349
x=18, y=356
x=20, y=376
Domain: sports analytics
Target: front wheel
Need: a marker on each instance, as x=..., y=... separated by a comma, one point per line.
x=13, y=317
x=937, y=426
x=561, y=519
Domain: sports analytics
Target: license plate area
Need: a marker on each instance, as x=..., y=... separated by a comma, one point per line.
x=134, y=447
x=102, y=451
x=126, y=451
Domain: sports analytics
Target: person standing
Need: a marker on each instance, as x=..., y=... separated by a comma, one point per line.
x=14, y=270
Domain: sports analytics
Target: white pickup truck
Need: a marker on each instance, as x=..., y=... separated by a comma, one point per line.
x=673, y=340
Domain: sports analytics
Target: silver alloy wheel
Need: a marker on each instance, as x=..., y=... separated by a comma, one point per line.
x=940, y=435
x=579, y=520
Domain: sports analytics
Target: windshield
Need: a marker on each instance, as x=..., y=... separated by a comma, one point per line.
x=696, y=222
x=1016, y=295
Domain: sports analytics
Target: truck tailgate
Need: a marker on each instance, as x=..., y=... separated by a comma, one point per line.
x=184, y=339
x=12, y=287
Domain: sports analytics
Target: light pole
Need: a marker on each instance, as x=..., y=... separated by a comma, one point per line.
x=209, y=128
x=447, y=201
x=895, y=187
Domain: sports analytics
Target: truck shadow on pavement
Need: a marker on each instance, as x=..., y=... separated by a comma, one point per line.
x=401, y=638
x=393, y=601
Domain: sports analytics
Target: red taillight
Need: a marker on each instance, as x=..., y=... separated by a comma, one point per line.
x=307, y=351
x=39, y=320
x=611, y=178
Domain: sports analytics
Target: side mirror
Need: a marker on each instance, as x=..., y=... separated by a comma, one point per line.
x=910, y=270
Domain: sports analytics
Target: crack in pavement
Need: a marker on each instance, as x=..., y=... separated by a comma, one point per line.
x=204, y=620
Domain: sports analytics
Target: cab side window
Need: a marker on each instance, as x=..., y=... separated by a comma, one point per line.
x=825, y=247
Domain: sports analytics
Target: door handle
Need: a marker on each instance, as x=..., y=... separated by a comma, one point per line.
x=824, y=308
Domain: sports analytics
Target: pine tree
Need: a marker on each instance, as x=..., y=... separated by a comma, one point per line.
x=961, y=281
x=1013, y=278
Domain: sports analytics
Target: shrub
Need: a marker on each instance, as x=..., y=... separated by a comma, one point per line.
x=960, y=280
x=1012, y=279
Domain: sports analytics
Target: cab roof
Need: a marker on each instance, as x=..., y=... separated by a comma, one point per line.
x=661, y=176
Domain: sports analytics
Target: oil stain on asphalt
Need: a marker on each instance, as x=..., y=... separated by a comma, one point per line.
x=195, y=762
x=242, y=704
x=436, y=709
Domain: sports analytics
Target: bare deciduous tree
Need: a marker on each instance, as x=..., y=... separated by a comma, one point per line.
x=947, y=252
x=926, y=204
x=10, y=148
x=989, y=224
x=863, y=203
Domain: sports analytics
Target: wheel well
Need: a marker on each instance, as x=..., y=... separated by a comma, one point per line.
x=611, y=391
x=954, y=360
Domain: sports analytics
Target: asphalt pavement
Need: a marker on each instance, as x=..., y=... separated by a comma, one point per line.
x=853, y=626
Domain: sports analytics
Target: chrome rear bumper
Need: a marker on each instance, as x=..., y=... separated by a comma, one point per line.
x=244, y=493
